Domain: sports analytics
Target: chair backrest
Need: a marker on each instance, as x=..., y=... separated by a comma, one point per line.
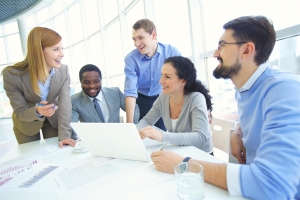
x=221, y=134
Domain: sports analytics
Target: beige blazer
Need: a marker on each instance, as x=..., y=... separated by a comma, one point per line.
x=23, y=100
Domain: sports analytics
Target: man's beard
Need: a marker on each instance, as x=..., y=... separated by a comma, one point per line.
x=226, y=71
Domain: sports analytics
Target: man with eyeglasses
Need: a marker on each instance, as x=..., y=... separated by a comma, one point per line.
x=267, y=139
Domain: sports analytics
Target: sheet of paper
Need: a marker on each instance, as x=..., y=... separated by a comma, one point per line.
x=143, y=176
x=35, y=183
x=73, y=178
x=98, y=161
x=42, y=152
x=10, y=171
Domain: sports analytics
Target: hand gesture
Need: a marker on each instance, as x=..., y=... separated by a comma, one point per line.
x=46, y=110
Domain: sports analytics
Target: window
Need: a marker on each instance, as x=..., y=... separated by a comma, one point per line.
x=115, y=52
x=215, y=16
x=135, y=14
x=11, y=28
x=3, y=58
x=110, y=9
x=75, y=23
x=173, y=24
x=14, y=48
x=286, y=55
x=96, y=53
x=43, y=15
x=30, y=22
x=92, y=17
x=78, y=60
x=60, y=28
x=127, y=2
x=57, y=7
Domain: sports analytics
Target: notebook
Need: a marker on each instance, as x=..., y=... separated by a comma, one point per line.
x=115, y=140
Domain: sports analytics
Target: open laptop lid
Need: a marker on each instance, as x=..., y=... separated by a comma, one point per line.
x=116, y=140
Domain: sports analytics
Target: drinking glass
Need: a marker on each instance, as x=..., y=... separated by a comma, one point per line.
x=189, y=180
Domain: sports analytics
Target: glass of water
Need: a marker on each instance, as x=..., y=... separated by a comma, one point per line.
x=189, y=180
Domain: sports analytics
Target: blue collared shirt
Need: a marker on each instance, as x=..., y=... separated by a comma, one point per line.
x=253, y=78
x=44, y=88
x=143, y=73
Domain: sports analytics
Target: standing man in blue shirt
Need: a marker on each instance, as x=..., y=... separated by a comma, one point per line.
x=143, y=69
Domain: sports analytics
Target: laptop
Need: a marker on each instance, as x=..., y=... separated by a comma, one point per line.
x=115, y=140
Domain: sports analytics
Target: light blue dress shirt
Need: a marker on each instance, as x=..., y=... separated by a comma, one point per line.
x=143, y=73
x=45, y=88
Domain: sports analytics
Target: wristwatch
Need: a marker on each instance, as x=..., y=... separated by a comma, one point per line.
x=184, y=167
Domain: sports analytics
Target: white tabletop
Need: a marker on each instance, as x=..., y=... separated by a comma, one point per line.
x=140, y=181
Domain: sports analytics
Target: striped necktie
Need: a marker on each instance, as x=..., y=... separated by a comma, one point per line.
x=98, y=109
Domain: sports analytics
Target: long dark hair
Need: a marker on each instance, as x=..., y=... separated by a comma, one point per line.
x=185, y=69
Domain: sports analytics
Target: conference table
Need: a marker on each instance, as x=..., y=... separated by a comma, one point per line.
x=49, y=172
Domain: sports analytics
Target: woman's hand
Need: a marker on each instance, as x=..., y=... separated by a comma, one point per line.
x=46, y=110
x=68, y=141
x=151, y=133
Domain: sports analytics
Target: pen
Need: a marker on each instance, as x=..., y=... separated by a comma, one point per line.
x=163, y=146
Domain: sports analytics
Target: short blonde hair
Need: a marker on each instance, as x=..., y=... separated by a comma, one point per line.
x=34, y=62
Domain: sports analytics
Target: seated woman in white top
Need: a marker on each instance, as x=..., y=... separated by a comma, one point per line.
x=183, y=106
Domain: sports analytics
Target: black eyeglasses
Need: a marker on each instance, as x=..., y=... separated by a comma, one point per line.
x=222, y=44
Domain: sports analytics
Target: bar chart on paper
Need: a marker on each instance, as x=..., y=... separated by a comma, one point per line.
x=41, y=174
x=13, y=170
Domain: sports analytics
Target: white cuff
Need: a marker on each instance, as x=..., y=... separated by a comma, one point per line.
x=233, y=179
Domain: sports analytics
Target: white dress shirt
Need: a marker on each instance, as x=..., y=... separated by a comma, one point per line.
x=103, y=105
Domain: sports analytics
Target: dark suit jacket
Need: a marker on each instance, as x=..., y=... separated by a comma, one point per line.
x=83, y=109
x=23, y=100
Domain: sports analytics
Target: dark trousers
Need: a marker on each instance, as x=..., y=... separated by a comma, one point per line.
x=145, y=104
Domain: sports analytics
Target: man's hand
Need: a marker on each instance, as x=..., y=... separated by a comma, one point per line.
x=237, y=147
x=165, y=161
x=67, y=141
x=46, y=110
x=151, y=133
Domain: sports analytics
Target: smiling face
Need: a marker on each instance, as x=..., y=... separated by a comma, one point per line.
x=91, y=83
x=53, y=55
x=146, y=43
x=170, y=82
x=228, y=56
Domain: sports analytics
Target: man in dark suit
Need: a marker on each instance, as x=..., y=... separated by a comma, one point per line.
x=96, y=103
